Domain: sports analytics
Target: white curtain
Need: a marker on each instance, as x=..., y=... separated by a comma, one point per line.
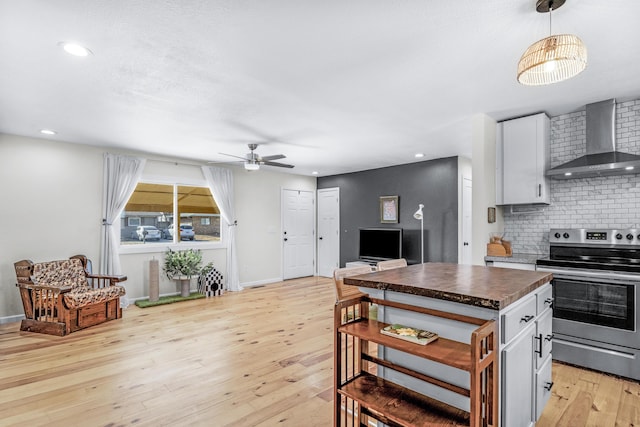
x=121, y=174
x=220, y=182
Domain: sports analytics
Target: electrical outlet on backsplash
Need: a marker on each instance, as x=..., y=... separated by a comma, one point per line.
x=600, y=202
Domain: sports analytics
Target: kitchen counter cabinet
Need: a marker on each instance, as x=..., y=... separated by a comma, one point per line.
x=518, y=301
x=522, y=159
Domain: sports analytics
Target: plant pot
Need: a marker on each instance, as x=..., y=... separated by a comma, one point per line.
x=185, y=286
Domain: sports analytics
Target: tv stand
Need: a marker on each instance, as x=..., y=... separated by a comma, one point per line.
x=360, y=263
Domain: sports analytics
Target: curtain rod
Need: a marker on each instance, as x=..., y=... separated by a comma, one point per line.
x=186, y=163
x=175, y=162
x=162, y=160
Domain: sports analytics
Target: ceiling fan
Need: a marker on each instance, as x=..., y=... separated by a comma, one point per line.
x=253, y=160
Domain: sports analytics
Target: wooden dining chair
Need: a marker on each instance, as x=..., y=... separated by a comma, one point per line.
x=346, y=292
x=390, y=264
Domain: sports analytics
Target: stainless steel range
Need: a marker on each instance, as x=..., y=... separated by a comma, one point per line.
x=596, y=277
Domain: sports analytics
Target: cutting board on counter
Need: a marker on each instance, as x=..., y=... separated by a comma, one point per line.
x=503, y=248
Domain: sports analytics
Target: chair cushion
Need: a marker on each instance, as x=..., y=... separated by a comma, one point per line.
x=68, y=272
x=82, y=297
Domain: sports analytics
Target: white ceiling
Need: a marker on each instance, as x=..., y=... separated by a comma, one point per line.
x=336, y=85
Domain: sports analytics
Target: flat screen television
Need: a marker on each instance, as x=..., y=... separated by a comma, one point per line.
x=379, y=244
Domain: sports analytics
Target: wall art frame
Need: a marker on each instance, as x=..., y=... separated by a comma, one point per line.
x=389, y=209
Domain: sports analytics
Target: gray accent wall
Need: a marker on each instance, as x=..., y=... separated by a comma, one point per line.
x=433, y=183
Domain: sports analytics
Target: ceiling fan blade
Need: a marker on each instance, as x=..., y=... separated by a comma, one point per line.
x=280, y=165
x=226, y=163
x=231, y=155
x=272, y=157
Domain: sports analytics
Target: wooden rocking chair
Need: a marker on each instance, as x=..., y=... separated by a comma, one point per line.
x=60, y=297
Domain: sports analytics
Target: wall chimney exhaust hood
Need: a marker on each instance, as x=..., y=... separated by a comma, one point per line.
x=601, y=159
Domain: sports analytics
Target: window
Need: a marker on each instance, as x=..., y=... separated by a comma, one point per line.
x=156, y=206
x=133, y=221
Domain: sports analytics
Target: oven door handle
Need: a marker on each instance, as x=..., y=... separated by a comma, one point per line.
x=611, y=275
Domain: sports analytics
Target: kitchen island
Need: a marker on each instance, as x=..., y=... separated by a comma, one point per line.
x=518, y=301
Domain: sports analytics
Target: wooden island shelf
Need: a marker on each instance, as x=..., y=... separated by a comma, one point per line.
x=490, y=366
x=360, y=393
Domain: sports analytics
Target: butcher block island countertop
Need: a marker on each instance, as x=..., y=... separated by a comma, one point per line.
x=488, y=287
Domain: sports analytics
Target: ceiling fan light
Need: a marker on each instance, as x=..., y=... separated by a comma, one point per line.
x=251, y=166
x=552, y=59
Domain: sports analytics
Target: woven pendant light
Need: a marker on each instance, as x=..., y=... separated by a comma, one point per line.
x=554, y=58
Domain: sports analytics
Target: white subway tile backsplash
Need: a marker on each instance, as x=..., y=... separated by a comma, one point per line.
x=608, y=202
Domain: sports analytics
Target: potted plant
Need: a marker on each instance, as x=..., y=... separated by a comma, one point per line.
x=181, y=266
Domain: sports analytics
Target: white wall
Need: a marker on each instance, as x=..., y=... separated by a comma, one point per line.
x=259, y=230
x=50, y=208
x=50, y=198
x=484, y=184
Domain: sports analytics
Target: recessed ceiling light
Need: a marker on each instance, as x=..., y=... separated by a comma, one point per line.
x=314, y=173
x=629, y=168
x=419, y=155
x=567, y=174
x=75, y=49
x=47, y=132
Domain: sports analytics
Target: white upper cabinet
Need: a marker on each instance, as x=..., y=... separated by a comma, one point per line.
x=522, y=158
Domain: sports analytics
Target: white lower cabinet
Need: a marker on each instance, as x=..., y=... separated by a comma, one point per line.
x=517, y=380
x=542, y=350
x=543, y=386
x=526, y=359
x=543, y=338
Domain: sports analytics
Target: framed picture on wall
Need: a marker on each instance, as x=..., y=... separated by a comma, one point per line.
x=388, y=209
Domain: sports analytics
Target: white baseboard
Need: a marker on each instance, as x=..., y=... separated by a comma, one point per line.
x=260, y=282
x=11, y=319
x=170, y=294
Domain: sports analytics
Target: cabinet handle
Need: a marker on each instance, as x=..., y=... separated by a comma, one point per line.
x=539, y=350
x=526, y=319
x=549, y=301
x=539, y=190
x=547, y=386
x=548, y=337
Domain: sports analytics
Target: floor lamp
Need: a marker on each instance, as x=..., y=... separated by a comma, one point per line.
x=418, y=215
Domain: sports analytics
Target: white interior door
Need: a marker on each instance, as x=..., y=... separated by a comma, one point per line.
x=466, y=221
x=328, y=231
x=298, y=233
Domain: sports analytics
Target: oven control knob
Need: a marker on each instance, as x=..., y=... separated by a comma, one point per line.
x=619, y=236
x=565, y=235
x=629, y=236
x=557, y=235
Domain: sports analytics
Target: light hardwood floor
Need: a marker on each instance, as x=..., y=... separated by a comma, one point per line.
x=260, y=357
